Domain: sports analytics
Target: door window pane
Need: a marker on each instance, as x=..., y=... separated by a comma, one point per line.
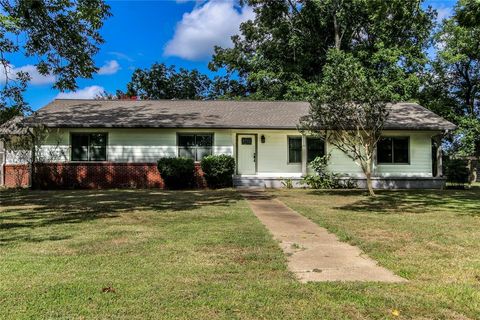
x=294, y=149
x=246, y=141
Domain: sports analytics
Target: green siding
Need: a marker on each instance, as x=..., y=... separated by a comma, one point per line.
x=148, y=145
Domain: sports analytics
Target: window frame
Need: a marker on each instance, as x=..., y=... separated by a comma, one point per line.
x=324, y=146
x=88, y=133
x=288, y=149
x=393, y=152
x=194, y=134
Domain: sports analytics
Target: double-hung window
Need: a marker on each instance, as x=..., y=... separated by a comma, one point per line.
x=315, y=148
x=88, y=146
x=294, y=149
x=195, y=146
x=393, y=150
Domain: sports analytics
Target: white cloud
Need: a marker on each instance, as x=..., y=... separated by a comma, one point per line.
x=210, y=24
x=36, y=78
x=121, y=56
x=110, y=67
x=444, y=13
x=85, y=93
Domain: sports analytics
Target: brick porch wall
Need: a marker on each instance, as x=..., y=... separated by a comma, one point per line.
x=16, y=175
x=87, y=175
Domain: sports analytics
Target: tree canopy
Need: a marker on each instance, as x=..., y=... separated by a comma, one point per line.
x=62, y=36
x=166, y=82
x=350, y=110
x=281, y=54
x=452, y=86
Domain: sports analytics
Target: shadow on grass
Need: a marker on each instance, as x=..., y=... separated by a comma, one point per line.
x=33, y=209
x=464, y=202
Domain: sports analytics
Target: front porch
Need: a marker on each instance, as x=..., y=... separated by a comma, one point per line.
x=378, y=182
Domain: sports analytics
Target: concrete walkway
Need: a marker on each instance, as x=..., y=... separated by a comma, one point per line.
x=313, y=253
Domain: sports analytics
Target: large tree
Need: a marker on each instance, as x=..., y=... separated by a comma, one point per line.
x=453, y=86
x=351, y=110
x=61, y=36
x=282, y=52
x=167, y=82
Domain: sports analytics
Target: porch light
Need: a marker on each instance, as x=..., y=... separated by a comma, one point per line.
x=262, y=138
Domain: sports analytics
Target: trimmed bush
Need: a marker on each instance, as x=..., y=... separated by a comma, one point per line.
x=218, y=170
x=177, y=173
x=456, y=171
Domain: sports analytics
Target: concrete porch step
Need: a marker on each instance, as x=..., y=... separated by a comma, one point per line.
x=248, y=182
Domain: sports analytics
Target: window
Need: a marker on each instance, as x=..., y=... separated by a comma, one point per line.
x=89, y=146
x=294, y=149
x=315, y=148
x=246, y=141
x=393, y=150
x=195, y=146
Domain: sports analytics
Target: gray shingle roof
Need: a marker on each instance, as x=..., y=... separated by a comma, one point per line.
x=208, y=114
x=14, y=126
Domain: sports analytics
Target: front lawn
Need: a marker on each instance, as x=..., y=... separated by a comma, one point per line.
x=139, y=254
x=432, y=238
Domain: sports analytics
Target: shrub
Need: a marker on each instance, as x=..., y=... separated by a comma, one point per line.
x=324, y=179
x=457, y=172
x=177, y=173
x=218, y=170
x=288, y=183
x=313, y=181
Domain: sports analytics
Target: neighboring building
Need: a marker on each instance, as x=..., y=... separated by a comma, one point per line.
x=115, y=143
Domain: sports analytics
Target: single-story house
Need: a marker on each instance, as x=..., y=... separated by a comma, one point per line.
x=115, y=143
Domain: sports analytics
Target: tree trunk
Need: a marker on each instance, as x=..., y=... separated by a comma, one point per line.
x=368, y=175
x=336, y=29
x=370, y=185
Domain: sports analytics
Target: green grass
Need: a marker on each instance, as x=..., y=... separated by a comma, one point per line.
x=203, y=254
x=432, y=238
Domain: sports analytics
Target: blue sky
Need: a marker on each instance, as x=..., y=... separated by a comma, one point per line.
x=139, y=33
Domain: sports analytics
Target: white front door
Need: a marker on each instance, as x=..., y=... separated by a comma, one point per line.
x=246, y=154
